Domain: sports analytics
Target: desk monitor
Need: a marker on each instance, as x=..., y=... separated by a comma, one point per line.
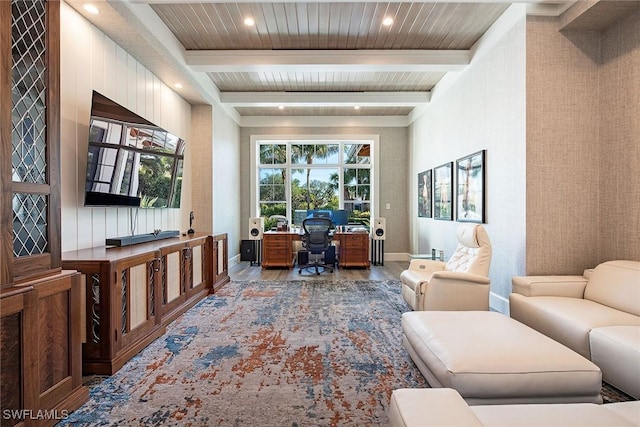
x=319, y=213
x=340, y=217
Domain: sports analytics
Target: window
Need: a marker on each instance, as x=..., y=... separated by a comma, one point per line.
x=295, y=176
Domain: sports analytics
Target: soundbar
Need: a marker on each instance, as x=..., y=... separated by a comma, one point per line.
x=141, y=238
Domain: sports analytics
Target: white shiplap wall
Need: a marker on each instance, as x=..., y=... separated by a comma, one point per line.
x=92, y=61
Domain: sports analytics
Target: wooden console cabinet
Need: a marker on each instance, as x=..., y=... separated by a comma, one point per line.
x=353, y=250
x=132, y=293
x=40, y=348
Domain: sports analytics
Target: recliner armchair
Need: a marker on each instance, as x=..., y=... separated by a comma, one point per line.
x=462, y=283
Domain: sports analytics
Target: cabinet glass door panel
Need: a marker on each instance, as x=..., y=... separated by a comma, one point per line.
x=172, y=275
x=197, y=266
x=138, y=295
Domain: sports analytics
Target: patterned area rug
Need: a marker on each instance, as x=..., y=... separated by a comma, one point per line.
x=294, y=353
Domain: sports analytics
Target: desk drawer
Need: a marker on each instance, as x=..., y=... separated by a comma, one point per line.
x=279, y=253
x=355, y=241
x=276, y=245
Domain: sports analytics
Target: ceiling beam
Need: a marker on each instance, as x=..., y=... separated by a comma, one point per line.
x=409, y=60
x=553, y=2
x=325, y=99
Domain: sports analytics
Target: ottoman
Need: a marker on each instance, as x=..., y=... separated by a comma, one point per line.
x=490, y=358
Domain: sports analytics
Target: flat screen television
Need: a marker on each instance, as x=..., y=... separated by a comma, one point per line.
x=131, y=161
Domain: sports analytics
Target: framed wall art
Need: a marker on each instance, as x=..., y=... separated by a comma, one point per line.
x=470, y=189
x=443, y=192
x=424, y=194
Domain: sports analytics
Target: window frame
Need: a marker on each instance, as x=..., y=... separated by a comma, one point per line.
x=256, y=140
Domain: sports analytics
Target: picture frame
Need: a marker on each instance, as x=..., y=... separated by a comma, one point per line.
x=443, y=192
x=424, y=194
x=470, y=188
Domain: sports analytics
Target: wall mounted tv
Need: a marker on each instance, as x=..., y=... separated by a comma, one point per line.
x=131, y=161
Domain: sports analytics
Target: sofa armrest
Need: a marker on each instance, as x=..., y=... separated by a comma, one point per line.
x=430, y=407
x=559, y=286
x=587, y=273
x=426, y=266
x=466, y=278
x=449, y=290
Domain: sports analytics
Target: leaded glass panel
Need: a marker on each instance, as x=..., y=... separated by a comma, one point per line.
x=28, y=91
x=29, y=224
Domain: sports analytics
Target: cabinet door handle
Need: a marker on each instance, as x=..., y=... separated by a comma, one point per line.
x=156, y=262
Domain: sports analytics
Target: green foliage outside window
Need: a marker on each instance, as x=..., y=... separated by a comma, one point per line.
x=306, y=191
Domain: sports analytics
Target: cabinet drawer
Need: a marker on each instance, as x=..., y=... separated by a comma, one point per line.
x=354, y=242
x=275, y=238
x=279, y=254
x=277, y=245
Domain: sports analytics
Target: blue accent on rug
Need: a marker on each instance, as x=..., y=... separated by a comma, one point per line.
x=266, y=353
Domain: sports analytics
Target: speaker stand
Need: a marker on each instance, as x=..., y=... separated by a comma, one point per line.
x=377, y=252
x=257, y=252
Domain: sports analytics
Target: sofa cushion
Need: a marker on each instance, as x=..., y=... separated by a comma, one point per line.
x=616, y=350
x=579, y=415
x=567, y=320
x=444, y=407
x=616, y=284
x=628, y=410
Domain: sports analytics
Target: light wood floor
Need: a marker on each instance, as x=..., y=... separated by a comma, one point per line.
x=389, y=271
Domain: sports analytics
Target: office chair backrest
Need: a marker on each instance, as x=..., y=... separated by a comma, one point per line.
x=316, y=234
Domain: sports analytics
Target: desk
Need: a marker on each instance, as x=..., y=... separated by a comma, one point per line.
x=278, y=249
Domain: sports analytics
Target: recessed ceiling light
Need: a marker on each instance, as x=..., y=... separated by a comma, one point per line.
x=248, y=21
x=281, y=107
x=91, y=9
x=178, y=85
x=387, y=21
x=356, y=107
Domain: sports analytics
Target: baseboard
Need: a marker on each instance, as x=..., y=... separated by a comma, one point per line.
x=396, y=257
x=235, y=260
x=498, y=303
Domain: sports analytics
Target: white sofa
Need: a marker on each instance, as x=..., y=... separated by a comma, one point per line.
x=596, y=315
x=462, y=283
x=445, y=407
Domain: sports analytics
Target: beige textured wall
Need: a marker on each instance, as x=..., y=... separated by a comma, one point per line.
x=562, y=190
x=392, y=182
x=620, y=141
x=227, y=194
x=582, y=146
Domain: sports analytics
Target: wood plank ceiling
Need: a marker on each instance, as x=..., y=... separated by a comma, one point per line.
x=322, y=27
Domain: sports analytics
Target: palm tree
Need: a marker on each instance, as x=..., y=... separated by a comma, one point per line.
x=274, y=154
x=309, y=152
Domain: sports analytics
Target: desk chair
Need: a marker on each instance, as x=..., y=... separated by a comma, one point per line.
x=316, y=240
